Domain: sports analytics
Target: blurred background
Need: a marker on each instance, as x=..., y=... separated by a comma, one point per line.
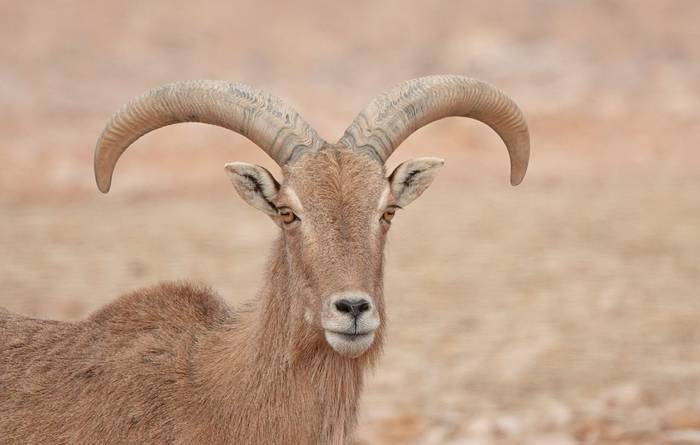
x=563, y=311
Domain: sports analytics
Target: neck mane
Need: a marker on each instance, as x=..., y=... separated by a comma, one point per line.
x=269, y=371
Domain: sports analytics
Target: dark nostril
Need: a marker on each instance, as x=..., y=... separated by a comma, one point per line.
x=354, y=307
x=343, y=305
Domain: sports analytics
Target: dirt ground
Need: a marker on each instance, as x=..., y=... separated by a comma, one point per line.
x=563, y=311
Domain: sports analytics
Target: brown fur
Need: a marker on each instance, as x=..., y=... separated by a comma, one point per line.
x=174, y=364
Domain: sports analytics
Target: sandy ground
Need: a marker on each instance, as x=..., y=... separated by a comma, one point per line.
x=564, y=311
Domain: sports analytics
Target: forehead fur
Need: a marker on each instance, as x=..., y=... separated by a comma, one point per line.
x=338, y=178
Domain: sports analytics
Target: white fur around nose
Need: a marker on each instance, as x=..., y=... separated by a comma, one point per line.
x=349, y=346
x=345, y=334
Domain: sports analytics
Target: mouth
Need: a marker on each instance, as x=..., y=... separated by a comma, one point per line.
x=351, y=335
x=351, y=344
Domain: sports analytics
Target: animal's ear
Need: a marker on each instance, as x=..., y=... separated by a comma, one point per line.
x=410, y=179
x=256, y=185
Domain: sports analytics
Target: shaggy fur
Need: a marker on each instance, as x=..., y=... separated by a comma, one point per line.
x=175, y=364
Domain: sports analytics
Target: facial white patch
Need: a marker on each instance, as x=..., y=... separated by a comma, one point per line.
x=384, y=198
x=293, y=199
x=308, y=316
x=345, y=334
x=350, y=346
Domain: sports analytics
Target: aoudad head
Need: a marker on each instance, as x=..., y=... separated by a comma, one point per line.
x=334, y=202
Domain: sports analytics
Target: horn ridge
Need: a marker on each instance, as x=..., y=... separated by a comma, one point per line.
x=259, y=116
x=398, y=112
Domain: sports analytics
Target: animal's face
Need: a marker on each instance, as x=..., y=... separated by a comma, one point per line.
x=334, y=204
x=334, y=208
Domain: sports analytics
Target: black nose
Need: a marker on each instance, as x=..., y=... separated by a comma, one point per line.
x=354, y=307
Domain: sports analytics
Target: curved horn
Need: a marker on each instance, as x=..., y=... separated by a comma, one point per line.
x=261, y=117
x=391, y=117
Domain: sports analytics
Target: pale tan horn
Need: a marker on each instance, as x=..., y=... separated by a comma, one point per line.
x=261, y=117
x=391, y=117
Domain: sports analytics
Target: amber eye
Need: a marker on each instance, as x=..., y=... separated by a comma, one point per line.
x=388, y=215
x=287, y=216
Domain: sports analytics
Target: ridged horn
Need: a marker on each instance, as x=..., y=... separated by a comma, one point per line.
x=393, y=115
x=261, y=117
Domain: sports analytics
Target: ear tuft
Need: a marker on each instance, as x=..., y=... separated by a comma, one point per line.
x=255, y=185
x=411, y=178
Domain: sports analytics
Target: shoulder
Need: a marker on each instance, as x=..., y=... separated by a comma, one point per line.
x=12, y=321
x=170, y=304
